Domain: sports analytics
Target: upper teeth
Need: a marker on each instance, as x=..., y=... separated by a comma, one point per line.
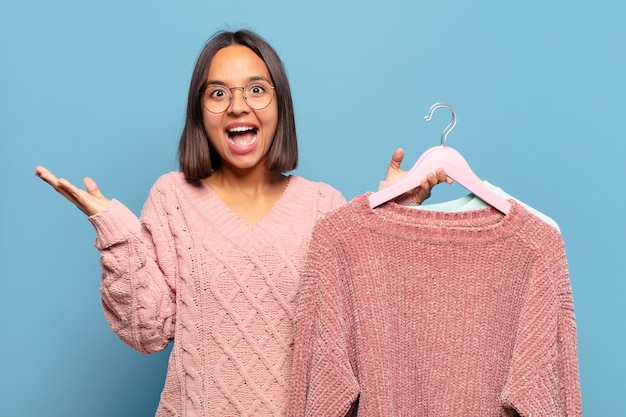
x=240, y=129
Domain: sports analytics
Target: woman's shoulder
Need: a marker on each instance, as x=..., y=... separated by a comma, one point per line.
x=316, y=190
x=172, y=179
x=169, y=177
x=305, y=184
x=172, y=183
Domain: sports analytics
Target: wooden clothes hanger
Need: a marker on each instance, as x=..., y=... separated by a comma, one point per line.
x=451, y=161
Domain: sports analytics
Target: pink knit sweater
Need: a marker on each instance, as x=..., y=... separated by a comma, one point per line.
x=407, y=312
x=193, y=272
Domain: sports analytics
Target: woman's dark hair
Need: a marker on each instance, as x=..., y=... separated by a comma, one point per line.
x=197, y=157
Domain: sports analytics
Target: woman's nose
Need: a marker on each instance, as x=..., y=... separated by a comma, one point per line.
x=237, y=101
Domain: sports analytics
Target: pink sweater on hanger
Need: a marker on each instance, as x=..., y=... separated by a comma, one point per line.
x=406, y=312
x=193, y=272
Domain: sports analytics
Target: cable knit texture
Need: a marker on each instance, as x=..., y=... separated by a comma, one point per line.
x=407, y=312
x=192, y=271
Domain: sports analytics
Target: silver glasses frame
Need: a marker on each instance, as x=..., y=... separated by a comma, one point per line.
x=243, y=89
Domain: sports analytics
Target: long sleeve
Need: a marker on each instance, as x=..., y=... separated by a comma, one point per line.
x=544, y=376
x=137, y=292
x=322, y=343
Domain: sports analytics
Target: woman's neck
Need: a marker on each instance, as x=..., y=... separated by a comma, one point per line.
x=252, y=181
x=251, y=197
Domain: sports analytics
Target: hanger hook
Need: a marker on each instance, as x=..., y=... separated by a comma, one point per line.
x=448, y=129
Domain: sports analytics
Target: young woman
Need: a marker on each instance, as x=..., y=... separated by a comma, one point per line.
x=213, y=262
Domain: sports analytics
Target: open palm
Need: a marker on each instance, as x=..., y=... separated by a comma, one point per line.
x=90, y=201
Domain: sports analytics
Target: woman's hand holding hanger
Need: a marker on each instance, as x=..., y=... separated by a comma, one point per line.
x=420, y=193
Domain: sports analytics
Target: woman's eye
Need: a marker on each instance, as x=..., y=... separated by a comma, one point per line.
x=256, y=89
x=217, y=92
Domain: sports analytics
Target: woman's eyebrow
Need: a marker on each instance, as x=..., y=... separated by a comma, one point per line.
x=251, y=78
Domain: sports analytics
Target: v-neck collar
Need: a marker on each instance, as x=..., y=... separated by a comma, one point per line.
x=208, y=204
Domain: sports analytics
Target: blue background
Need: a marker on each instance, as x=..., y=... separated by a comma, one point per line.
x=99, y=89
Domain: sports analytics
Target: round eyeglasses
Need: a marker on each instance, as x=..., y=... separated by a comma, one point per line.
x=257, y=94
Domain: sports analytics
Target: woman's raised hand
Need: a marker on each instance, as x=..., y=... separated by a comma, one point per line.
x=422, y=192
x=89, y=201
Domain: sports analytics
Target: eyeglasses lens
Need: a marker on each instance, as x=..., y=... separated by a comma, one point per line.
x=257, y=94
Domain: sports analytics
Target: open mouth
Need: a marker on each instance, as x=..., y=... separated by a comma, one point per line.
x=242, y=135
